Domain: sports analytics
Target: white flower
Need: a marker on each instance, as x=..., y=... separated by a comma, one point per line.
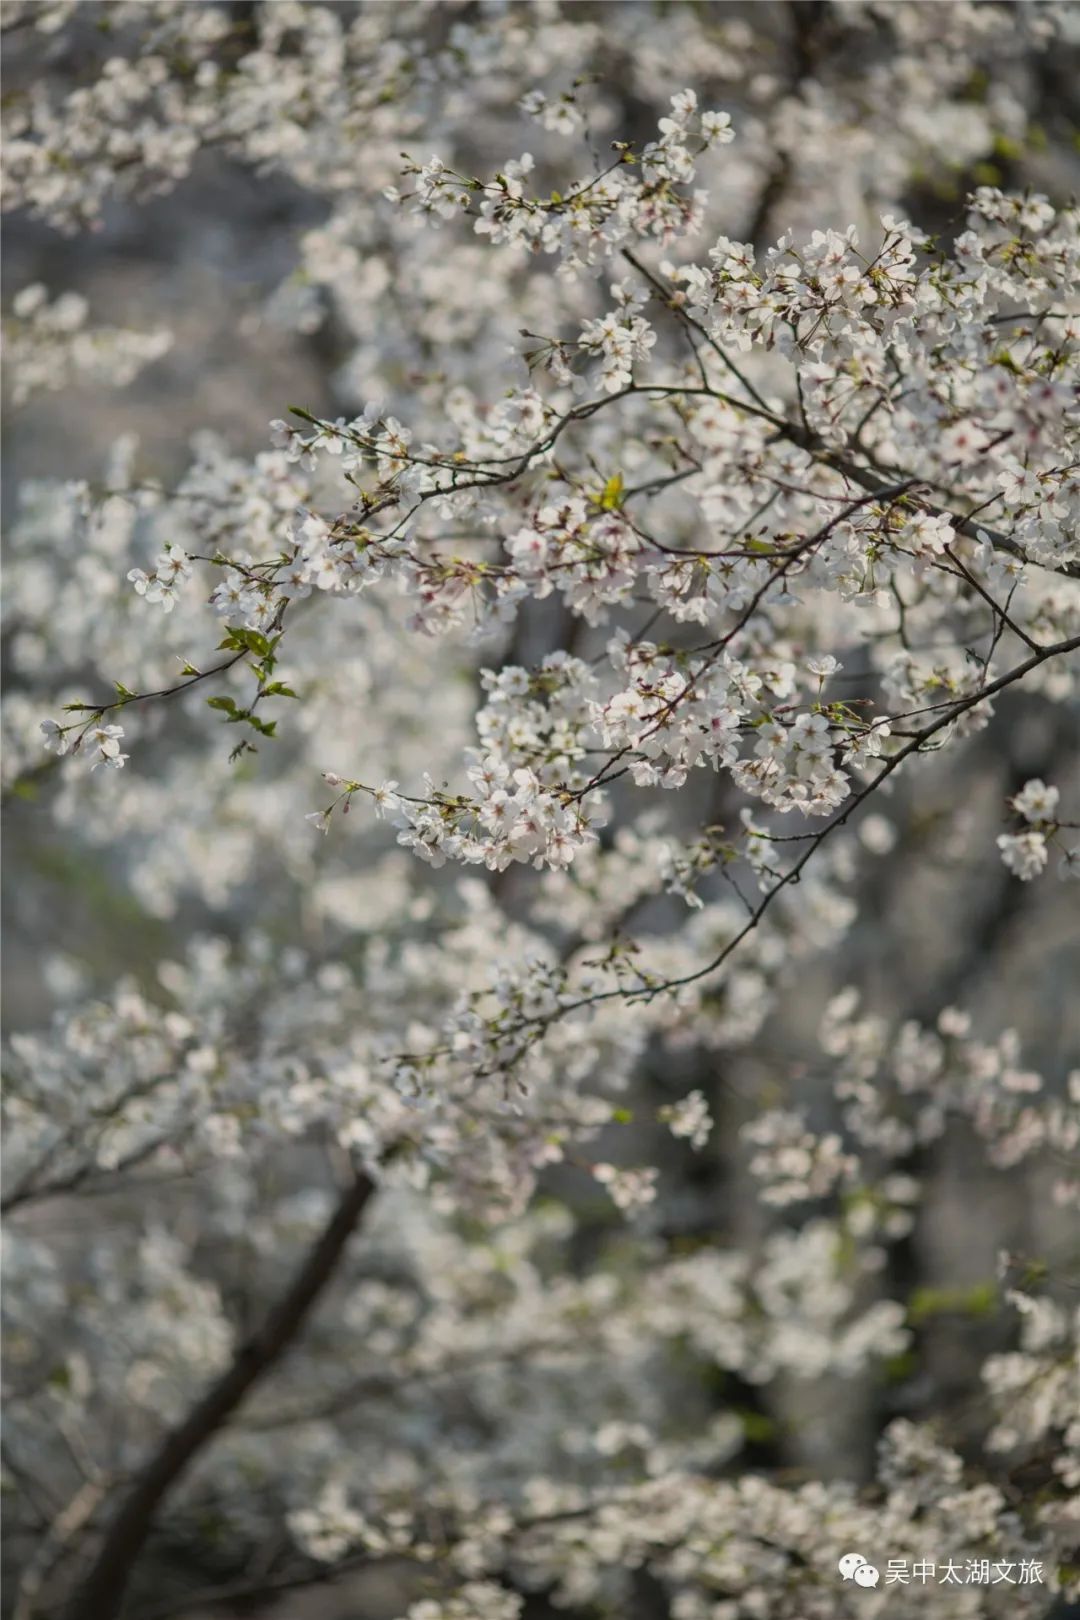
x=386, y=799
x=716, y=128
x=962, y=443
x=107, y=740
x=1024, y=854
x=952, y=1021
x=629, y=1190
x=1035, y=801
x=927, y=534
x=689, y=1118
x=824, y=667
x=55, y=740
x=329, y=1527
x=172, y=568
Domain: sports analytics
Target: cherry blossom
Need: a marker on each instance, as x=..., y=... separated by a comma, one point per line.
x=513, y=1151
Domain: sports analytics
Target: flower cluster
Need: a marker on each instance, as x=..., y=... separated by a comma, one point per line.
x=1026, y=853
x=48, y=346
x=172, y=569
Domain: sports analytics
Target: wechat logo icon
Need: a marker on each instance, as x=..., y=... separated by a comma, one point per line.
x=853, y=1567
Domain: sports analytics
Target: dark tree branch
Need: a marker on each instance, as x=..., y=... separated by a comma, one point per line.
x=101, y=1594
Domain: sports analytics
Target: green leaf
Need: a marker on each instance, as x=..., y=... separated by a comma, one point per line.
x=757, y=1427
x=226, y=704
x=978, y=1300
x=612, y=498
x=239, y=639
x=901, y=1367
x=123, y=693
x=277, y=689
